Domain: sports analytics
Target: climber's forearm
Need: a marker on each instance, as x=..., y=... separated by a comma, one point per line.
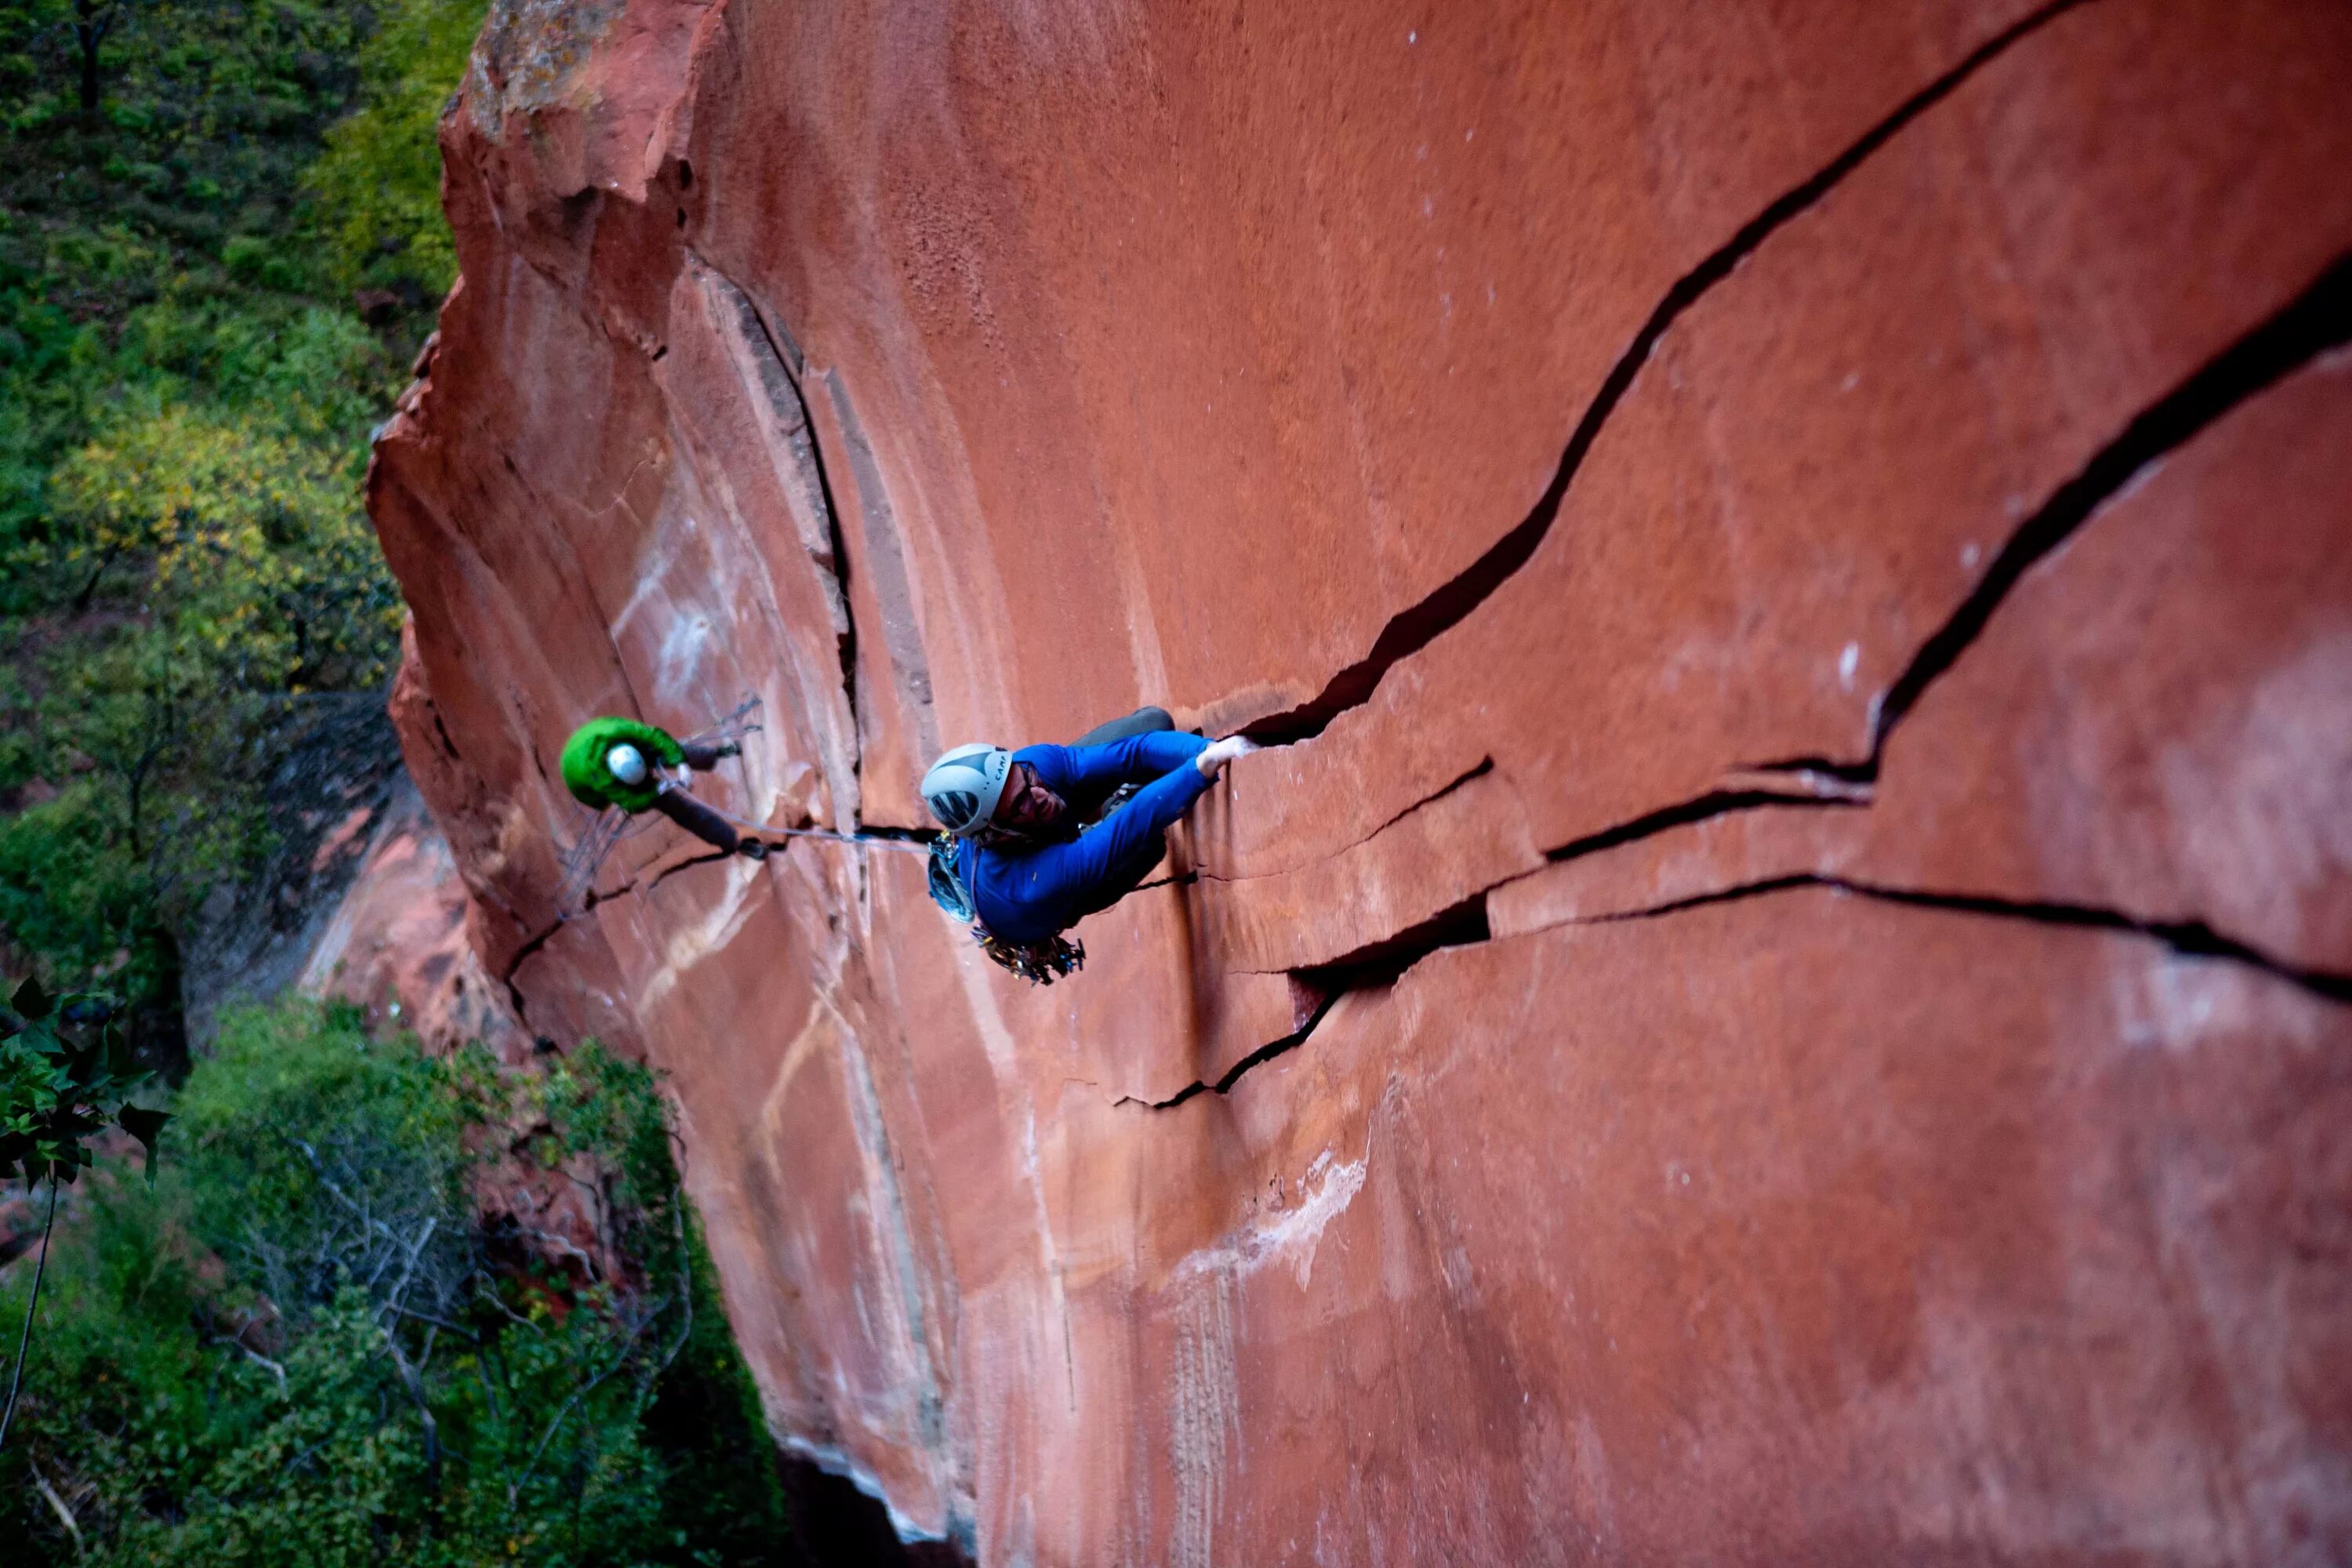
x=1136, y=760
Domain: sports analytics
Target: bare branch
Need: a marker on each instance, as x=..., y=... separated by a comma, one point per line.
x=514, y=1488
x=483, y=1290
x=25, y=1341
x=57, y=1504
x=465, y=1334
x=255, y=1356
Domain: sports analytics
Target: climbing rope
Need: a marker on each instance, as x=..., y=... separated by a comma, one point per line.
x=766, y=830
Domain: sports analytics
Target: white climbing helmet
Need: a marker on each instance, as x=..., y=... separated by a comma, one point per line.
x=627, y=763
x=963, y=787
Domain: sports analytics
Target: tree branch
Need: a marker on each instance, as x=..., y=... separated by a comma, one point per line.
x=25, y=1341
x=57, y=1505
x=514, y=1488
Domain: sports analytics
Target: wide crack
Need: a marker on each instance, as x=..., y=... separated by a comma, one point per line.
x=1383, y=964
x=2315, y=322
x=1370, y=968
x=1416, y=627
x=785, y=359
x=2191, y=938
x=1716, y=803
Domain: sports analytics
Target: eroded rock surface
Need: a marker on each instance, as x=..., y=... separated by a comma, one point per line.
x=1787, y=998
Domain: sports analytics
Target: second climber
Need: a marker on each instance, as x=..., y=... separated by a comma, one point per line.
x=617, y=764
x=1038, y=837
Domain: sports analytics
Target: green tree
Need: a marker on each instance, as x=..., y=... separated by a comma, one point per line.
x=305, y=1348
x=66, y=1073
x=378, y=185
x=186, y=387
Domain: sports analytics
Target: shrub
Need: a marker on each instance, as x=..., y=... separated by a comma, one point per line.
x=303, y=1349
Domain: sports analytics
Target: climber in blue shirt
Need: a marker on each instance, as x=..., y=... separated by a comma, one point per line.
x=1049, y=834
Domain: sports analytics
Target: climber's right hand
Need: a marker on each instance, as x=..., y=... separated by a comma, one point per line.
x=1213, y=759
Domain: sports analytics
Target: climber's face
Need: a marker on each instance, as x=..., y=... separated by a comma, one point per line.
x=1026, y=805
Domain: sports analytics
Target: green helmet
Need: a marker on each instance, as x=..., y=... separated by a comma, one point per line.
x=595, y=747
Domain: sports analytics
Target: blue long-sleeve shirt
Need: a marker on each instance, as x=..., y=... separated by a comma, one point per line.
x=1027, y=894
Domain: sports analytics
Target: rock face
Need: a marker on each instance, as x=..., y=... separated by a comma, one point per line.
x=398, y=942
x=1789, y=996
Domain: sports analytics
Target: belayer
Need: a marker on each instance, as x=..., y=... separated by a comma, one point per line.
x=626, y=765
x=1040, y=837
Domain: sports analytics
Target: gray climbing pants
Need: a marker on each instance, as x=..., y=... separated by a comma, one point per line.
x=1143, y=722
x=698, y=819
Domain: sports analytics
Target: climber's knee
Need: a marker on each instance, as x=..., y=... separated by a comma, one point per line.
x=1143, y=722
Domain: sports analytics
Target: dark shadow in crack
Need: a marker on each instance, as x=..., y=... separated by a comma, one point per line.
x=1717, y=803
x=1415, y=627
x=2193, y=939
x=2316, y=320
x=1372, y=968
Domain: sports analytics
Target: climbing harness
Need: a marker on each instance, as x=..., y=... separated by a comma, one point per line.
x=1038, y=963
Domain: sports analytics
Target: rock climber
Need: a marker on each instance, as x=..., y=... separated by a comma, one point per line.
x=1040, y=837
x=616, y=763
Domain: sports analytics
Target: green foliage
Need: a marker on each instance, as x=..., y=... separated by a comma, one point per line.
x=303, y=1349
x=186, y=386
x=66, y=1073
x=378, y=187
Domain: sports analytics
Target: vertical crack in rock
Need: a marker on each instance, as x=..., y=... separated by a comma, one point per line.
x=1415, y=627
x=2191, y=938
x=779, y=370
x=885, y=554
x=2317, y=320
x=523, y=955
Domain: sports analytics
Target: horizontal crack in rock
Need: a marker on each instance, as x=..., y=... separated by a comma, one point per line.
x=1369, y=968
x=1264, y=1053
x=2191, y=938
x=1485, y=766
x=533, y=944
x=1415, y=627
x=2316, y=320
x=1717, y=802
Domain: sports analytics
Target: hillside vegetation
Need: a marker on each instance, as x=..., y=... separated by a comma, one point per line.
x=314, y=1344
x=379, y=1308
x=220, y=244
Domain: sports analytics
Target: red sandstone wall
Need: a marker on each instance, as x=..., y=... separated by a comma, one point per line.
x=1801, y=547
